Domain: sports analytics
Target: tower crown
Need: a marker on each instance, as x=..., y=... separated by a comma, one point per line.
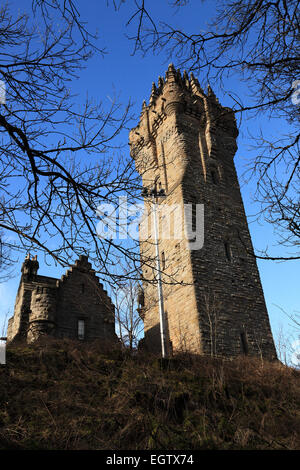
x=179, y=93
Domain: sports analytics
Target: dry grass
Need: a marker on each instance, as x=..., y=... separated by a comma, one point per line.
x=66, y=395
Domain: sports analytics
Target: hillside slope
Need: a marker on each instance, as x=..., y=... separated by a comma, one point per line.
x=66, y=395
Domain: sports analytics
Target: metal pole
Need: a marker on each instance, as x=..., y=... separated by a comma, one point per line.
x=159, y=285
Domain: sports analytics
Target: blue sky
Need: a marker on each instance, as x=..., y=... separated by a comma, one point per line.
x=130, y=77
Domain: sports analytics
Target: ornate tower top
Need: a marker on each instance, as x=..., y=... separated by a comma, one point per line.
x=178, y=93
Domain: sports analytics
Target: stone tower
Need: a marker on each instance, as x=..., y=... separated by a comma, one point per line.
x=184, y=144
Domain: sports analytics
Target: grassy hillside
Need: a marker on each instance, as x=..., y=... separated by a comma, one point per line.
x=65, y=395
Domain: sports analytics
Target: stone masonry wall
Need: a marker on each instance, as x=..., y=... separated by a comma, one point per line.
x=42, y=320
x=81, y=297
x=18, y=324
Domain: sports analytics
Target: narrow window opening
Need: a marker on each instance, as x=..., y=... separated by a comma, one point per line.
x=170, y=348
x=227, y=250
x=81, y=329
x=82, y=288
x=163, y=261
x=214, y=176
x=164, y=167
x=193, y=217
x=244, y=343
x=157, y=183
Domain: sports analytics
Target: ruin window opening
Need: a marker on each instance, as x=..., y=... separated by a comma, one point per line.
x=82, y=288
x=81, y=329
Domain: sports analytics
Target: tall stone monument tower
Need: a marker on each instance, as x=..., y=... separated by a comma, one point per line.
x=184, y=144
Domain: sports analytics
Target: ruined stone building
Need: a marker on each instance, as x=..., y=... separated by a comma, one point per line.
x=184, y=144
x=75, y=306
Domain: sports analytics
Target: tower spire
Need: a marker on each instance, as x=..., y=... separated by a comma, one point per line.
x=171, y=72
